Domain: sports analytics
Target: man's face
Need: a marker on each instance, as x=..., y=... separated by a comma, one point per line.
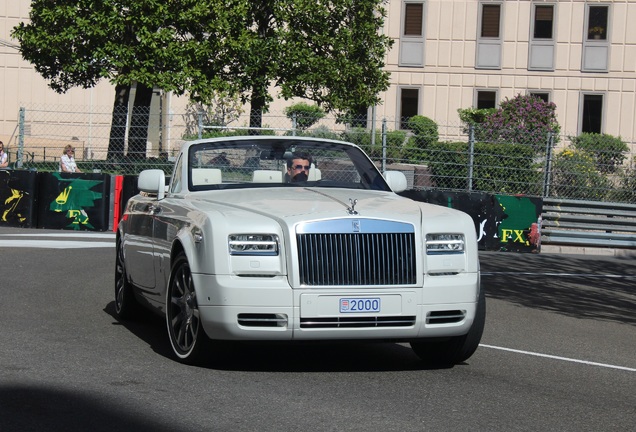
x=299, y=170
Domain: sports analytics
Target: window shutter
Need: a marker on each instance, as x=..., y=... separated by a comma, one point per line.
x=413, y=19
x=490, y=21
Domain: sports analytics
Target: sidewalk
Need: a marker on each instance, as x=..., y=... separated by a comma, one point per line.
x=582, y=250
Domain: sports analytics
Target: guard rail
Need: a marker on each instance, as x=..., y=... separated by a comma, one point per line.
x=588, y=223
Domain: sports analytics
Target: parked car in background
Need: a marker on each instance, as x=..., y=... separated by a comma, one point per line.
x=262, y=238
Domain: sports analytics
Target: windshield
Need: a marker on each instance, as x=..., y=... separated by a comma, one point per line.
x=280, y=162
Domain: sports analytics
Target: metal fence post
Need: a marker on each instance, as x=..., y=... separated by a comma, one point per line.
x=548, y=165
x=21, y=117
x=383, y=145
x=373, y=126
x=294, y=123
x=200, y=124
x=471, y=155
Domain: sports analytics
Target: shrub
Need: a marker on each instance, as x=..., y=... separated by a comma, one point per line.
x=608, y=151
x=474, y=116
x=306, y=115
x=362, y=138
x=574, y=175
x=626, y=191
x=503, y=168
x=424, y=130
x=523, y=120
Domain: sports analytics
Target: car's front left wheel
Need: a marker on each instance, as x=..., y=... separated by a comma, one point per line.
x=187, y=337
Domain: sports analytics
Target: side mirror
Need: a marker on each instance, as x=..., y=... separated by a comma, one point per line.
x=396, y=180
x=152, y=182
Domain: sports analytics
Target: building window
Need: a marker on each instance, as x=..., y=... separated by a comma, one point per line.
x=413, y=30
x=413, y=19
x=592, y=113
x=489, y=41
x=490, y=18
x=597, y=23
x=543, y=22
x=486, y=99
x=409, y=103
x=544, y=96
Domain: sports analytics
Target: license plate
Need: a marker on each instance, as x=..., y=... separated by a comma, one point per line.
x=359, y=305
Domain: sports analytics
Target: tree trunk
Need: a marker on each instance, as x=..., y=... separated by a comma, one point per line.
x=256, y=112
x=138, y=134
x=116, y=142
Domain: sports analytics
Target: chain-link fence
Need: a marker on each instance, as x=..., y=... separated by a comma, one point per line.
x=448, y=157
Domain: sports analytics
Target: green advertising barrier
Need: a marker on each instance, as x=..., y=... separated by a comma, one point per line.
x=502, y=222
x=77, y=201
x=18, y=192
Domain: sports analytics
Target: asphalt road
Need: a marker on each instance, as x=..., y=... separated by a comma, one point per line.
x=558, y=354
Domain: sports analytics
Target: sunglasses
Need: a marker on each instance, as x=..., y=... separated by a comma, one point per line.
x=301, y=167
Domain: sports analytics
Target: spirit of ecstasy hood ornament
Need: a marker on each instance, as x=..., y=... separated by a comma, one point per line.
x=351, y=210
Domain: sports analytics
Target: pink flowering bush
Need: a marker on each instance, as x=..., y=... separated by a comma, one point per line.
x=523, y=120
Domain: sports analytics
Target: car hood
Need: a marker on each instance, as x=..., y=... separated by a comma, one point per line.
x=315, y=203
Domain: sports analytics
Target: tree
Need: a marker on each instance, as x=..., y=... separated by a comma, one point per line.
x=130, y=43
x=329, y=52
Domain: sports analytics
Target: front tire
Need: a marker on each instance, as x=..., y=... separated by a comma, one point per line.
x=187, y=337
x=447, y=352
x=126, y=305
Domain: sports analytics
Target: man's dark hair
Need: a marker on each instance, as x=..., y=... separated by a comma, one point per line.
x=304, y=156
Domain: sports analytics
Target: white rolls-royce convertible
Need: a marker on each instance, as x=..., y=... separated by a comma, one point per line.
x=265, y=238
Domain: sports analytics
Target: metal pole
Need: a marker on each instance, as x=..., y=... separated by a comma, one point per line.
x=21, y=117
x=200, y=124
x=471, y=155
x=294, y=123
x=384, y=145
x=548, y=165
x=373, y=126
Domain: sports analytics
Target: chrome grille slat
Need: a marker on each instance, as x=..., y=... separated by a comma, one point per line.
x=358, y=322
x=342, y=259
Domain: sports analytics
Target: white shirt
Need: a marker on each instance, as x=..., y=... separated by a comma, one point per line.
x=68, y=163
x=3, y=157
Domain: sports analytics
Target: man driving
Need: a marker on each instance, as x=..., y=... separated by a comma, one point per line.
x=298, y=167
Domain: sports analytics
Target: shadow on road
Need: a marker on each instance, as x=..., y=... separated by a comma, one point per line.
x=578, y=286
x=38, y=408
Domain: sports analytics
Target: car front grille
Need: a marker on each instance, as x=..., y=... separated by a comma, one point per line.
x=357, y=322
x=339, y=259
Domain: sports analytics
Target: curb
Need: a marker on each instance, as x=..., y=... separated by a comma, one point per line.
x=580, y=250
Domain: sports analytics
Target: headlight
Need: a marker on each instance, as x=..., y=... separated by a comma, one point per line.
x=444, y=244
x=253, y=244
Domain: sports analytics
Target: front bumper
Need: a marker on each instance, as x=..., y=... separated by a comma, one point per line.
x=257, y=308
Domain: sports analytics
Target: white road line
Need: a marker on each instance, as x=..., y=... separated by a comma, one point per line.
x=559, y=358
x=55, y=244
x=64, y=234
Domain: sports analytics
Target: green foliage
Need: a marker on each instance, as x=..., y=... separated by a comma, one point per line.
x=321, y=132
x=627, y=190
x=473, y=116
x=362, y=138
x=608, y=151
x=523, y=120
x=501, y=168
x=304, y=114
x=574, y=176
x=425, y=131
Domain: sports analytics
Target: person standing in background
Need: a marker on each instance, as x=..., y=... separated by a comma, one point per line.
x=4, y=158
x=67, y=161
